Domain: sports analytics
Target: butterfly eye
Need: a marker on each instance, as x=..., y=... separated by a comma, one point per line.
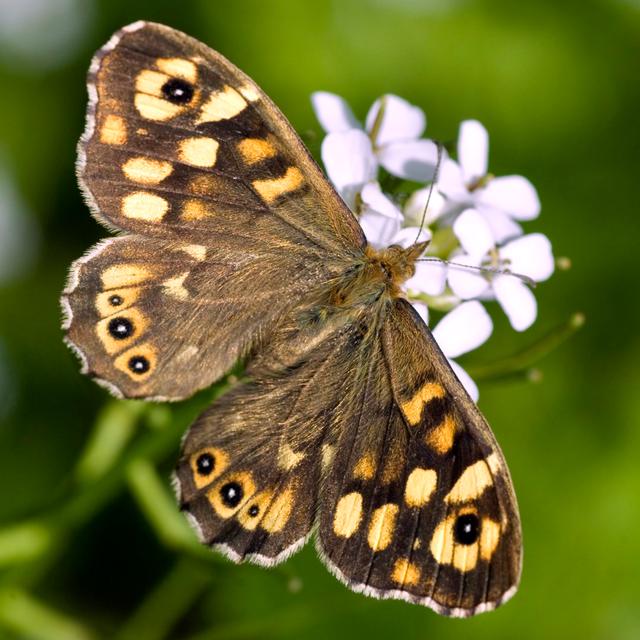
x=466, y=529
x=120, y=328
x=139, y=365
x=231, y=494
x=177, y=91
x=205, y=464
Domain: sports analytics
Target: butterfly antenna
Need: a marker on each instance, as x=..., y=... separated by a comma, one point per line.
x=493, y=270
x=433, y=184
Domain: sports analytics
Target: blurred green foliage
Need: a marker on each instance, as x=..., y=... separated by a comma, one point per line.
x=90, y=544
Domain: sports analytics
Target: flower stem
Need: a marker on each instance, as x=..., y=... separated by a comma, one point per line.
x=21, y=614
x=522, y=361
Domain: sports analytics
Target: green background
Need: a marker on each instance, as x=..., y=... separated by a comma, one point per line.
x=556, y=84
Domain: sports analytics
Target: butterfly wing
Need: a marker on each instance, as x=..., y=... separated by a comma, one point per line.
x=225, y=207
x=181, y=143
x=418, y=503
x=252, y=465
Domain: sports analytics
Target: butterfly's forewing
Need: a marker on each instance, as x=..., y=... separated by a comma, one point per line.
x=227, y=210
x=419, y=504
x=181, y=143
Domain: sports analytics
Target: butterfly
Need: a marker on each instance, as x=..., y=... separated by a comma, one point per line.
x=232, y=245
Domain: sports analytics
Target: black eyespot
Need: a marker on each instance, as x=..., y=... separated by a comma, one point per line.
x=120, y=328
x=115, y=300
x=205, y=464
x=466, y=529
x=231, y=494
x=177, y=91
x=139, y=364
x=254, y=510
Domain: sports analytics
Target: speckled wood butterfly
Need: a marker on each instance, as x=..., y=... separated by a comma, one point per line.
x=234, y=245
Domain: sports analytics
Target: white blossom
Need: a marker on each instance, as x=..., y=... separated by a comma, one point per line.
x=391, y=138
x=463, y=329
x=528, y=255
x=503, y=201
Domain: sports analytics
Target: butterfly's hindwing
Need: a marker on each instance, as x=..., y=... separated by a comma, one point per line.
x=418, y=503
x=269, y=436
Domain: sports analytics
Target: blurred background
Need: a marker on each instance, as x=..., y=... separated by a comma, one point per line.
x=91, y=545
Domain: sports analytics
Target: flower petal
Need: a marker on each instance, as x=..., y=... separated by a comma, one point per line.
x=466, y=283
x=473, y=150
x=467, y=382
x=463, y=329
x=349, y=162
x=413, y=160
x=502, y=226
x=333, y=112
x=422, y=309
x=374, y=199
x=451, y=182
x=474, y=233
x=429, y=278
x=514, y=195
x=530, y=255
x=408, y=236
x=417, y=201
x=400, y=120
x=517, y=301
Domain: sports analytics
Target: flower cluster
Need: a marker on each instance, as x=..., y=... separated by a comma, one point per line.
x=403, y=188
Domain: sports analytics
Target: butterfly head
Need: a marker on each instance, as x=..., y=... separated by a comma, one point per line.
x=395, y=264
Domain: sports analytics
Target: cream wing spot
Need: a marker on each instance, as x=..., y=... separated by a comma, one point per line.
x=365, y=468
x=489, y=538
x=125, y=275
x=147, y=170
x=420, y=486
x=272, y=188
x=441, y=437
x=405, y=572
x=412, y=409
x=255, y=150
x=193, y=210
x=175, y=288
x=382, y=526
x=288, y=458
x=145, y=206
x=249, y=92
x=328, y=453
x=471, y=484
x=348, y=515
x=199, y=152
x=222, y=105
x=113, y=130
x=279, y=512
x=196, y=251
x=180, y=67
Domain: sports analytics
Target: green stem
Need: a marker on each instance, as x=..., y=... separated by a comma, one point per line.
x=167, y=603
x=114, y=429
x=523, y=361
x=159, y=507
x=23, y=615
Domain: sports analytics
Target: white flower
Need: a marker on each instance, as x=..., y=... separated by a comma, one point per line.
x=501, y=201
x=528, y=255
x=463, y=329
x=391, y=138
